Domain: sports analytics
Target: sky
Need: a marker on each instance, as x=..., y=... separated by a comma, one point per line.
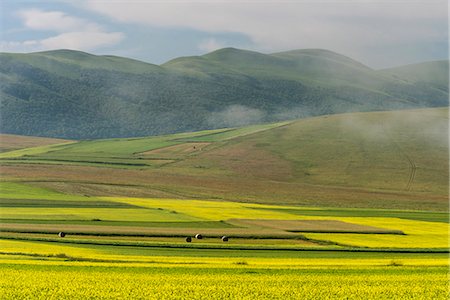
x=378, y=33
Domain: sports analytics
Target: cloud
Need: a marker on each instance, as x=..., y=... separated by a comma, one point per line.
x=82, y=40
x=355, y=28
x=58, y=21
x=210, y=44
x=235, y=116
x=428, y=126
x=72, y=33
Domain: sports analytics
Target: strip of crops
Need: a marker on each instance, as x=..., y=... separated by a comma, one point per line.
x=240, y=282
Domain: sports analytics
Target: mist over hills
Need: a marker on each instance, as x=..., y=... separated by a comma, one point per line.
x=72, y=94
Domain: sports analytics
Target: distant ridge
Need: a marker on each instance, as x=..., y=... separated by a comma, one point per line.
x=77, y=95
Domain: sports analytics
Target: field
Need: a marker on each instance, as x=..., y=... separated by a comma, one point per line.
x=312, y=209
x=383, y=160
x=168, y=282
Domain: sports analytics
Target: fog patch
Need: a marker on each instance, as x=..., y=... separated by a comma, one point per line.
x=298, y=112
x=428, y=126
x=236, y=116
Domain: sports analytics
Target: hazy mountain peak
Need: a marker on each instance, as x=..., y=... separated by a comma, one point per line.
x=322, y=54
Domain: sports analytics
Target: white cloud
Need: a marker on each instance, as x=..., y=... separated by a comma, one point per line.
x=351, y=27
x=235, y=116
x=210, y=44
x=58, y=21
x=72, y=33
x=81, y=40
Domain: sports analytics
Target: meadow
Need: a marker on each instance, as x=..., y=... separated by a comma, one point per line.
x=360, y=218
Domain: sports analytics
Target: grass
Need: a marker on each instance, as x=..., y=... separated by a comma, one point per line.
x=10, y=142
x=234, y=133
x=17, y=190
x=83, y=213
x=383, y=160
x=38, y=203
x=126, y=153
x=34, y=150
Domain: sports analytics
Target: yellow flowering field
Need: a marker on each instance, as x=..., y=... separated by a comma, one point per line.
x=418, y=234
x=242, y=282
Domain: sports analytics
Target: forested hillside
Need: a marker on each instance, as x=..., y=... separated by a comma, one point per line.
x=71, y=94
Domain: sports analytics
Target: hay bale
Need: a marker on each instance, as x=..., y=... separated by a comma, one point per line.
x=224, y=239
x=198, y=236
x=61, y=234
x=188, y=239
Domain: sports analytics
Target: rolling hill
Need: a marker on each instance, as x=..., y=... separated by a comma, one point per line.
x=76, y=95
x=383, y=160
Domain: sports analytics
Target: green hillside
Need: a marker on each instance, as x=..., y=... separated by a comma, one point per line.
x=10, y=142
x=434, y=73
x=384, y=160
x=76, y=95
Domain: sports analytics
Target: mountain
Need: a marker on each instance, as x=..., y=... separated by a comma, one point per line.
x=76, y=95
x=434, y=74
x=395, y=160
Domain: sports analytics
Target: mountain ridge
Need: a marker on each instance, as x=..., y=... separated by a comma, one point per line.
x=74, y=94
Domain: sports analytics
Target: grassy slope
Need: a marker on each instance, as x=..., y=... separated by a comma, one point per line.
x=379, y=160
x=10, y=142
x=434, y=72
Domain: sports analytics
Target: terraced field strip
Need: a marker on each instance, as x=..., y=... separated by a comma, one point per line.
x=145, y=231
x=10, y=142
x=207, y=210
x=234, y=132
x=270, y=241
x=35, y=150
x=178, y=150
x=418, y=234
x=39, y=203
x=98, y=222
x=349, y=212
x=21, y=190
x=89, y=213
x=290, y=256
x=330, y=226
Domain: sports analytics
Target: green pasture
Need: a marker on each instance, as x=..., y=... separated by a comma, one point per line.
x=234, y=133
x=393, y=160
x=124, y=152
x=17, y=190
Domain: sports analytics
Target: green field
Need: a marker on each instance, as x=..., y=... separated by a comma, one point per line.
x=384, y=160
x=312, y=209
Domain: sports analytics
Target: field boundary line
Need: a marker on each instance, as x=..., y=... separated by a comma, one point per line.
x=210, y=247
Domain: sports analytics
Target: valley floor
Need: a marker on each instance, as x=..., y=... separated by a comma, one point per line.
x=309, y=209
